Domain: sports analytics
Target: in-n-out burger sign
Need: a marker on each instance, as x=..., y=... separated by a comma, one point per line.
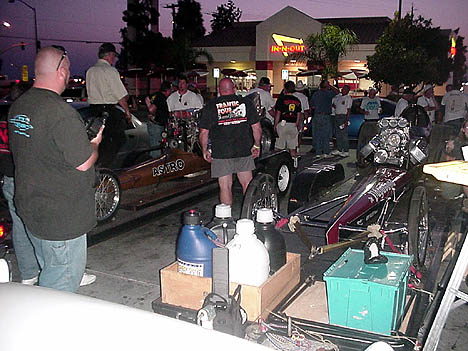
x=297, y=45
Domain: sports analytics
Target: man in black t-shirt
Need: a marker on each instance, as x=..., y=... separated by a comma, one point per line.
x=288, y=119
x=158, y=116
x=54, y=172
x=232, y=124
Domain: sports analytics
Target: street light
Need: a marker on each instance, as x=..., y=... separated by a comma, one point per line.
x=35, y=20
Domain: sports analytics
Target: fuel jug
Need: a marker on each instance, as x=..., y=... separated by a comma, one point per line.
x=248, y=257
x=271, y=237
x=194, y=247
x=222, y=224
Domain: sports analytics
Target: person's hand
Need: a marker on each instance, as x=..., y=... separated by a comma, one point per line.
x=207, y=156
x=147, y=101
x=255, y=151
x=98, y=138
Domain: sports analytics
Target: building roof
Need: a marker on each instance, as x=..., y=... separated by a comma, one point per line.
x=367, y=29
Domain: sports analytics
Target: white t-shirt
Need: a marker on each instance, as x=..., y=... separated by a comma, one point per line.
x=424, y=101
x=304, y=100
x=456, y=105
x=266, y=100
x=400, y=107
x=189, y=100
x=371, y=105
x=342, y=104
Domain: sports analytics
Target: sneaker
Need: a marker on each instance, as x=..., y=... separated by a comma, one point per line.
x=31, y=281
x=335, y=152
x=344, y=153
x=87, y=279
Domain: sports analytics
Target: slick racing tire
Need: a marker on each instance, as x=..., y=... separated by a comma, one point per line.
x=367, y=131
x=418, y=225
x=261, y=193
x=281, y=168
x=106, y=195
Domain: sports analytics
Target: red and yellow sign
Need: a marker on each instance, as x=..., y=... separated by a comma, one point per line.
x=280, y=40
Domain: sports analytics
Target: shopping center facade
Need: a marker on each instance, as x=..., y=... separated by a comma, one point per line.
x=250, y=50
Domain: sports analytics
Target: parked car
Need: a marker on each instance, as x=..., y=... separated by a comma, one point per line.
x=75, y=94
x=356, y=117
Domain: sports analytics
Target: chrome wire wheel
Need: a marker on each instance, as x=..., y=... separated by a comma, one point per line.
x=418, y=225
x=107, y=195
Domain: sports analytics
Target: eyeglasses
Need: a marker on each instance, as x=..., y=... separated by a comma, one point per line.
x=64, y=53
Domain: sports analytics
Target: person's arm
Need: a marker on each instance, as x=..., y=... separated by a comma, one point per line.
x=94, y=154
x=300, y=117
x=123, y=102
x=277, y=118
x=257, y=135
x=204, y=144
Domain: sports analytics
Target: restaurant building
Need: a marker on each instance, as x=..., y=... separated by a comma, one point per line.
x=248, y=51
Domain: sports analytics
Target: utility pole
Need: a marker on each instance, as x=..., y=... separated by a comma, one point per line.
x=173, y=8
x=399, y=10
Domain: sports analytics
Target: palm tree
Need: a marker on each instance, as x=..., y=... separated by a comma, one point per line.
x=185, y=56
x=325, y=48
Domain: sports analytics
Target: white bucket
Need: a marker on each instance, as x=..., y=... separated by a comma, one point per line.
x=249, y=262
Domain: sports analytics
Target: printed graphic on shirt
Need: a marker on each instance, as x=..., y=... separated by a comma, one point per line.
x=372, y=105
x=22, y=125
x=4, y=138
x=231, y=112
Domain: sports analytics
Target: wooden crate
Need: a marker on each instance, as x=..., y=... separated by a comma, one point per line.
x=189, y=291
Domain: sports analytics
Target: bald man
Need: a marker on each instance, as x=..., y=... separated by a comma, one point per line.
x=54, y=173
x=232, y=124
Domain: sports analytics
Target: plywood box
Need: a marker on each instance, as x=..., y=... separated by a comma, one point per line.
x=189, y=291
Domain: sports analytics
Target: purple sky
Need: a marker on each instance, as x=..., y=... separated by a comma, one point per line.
x=101, y=20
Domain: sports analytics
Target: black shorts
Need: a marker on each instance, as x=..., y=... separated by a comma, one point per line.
x=224, y=166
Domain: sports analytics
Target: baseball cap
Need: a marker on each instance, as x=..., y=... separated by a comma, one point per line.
x=300, y=86
x=427, y=87
x=264, y=81
x=106, y=48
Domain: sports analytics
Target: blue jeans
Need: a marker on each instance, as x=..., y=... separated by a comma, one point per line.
x=321, y=133
x=342, y=142
x=154, y=135
x=24, y=250
x=62, y=262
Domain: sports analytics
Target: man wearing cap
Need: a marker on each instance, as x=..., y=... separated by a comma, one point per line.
x=429, y=103
x=266, y=100
x=456, y=108
x=299, y=93
x=405, y=100
x=105, y=91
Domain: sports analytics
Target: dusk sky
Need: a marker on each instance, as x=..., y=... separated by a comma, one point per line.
x=72, y=23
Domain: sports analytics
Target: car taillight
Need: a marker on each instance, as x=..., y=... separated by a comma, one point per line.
x=84, y=99
x=2, y=230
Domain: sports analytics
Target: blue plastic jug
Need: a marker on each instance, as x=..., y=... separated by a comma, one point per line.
x=194, y=247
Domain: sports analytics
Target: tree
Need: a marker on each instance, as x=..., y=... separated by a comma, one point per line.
x=188, y=21
x=410, y=52
x=225, y=16
x=150, y=48
x=327, y=47
x=184, y=56
x=459, y=60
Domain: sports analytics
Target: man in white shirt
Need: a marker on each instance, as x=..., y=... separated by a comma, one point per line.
x=266, y=100
x=300, y=87
x=428, y=102
x=342, y=104
x=371, y=106
x=183, y=99
x=405, y=100
x=456, y=107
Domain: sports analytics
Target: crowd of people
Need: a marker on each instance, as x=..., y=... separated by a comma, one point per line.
x=48, y=161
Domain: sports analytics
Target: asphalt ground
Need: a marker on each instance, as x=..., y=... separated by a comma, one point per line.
x=126, y=256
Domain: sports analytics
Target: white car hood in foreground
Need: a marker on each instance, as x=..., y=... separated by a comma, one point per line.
x=35, y=318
